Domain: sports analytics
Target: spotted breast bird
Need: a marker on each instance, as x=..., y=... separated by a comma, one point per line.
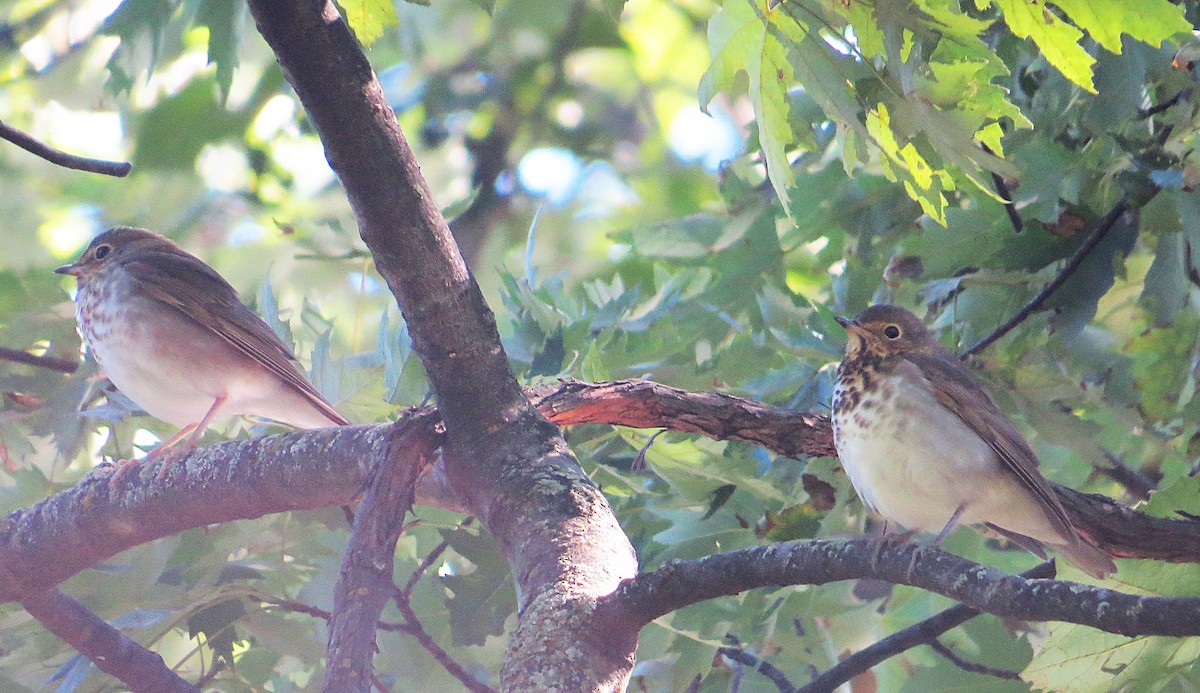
x=925, y=446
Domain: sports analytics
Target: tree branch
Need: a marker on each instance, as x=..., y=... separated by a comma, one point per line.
x=682, y=583
x=118, y=169
x=74, y=529
x=364, y=584
x=508, y=464
x=1089, y=244
x=22, y=356
x=973, y=667
x=1122, y=531
x=762, y=666
x=61, y=535
x=924, y=633
x=108, y=648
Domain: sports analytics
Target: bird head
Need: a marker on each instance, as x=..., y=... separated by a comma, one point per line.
x=109, y=247
x=887, y=330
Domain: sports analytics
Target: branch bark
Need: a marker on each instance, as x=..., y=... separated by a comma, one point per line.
x=111, y=651
x=61, y=535
x=682, y=583
x=79, y=527
x=365, y=584
x=508, y=464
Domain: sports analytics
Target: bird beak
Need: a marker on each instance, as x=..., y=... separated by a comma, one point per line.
x=71, y=269
x=850, y=326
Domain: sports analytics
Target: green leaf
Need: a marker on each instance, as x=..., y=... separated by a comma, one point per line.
x=172, y=134
x=224, y=20
x=483, y=595
x=1149, y=21
x=743, y=39
x=135, y=22
x=369, y=18
x=1057, y=40
x=216, y=623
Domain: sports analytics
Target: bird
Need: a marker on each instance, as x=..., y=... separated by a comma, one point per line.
x=171, y=334
x=925, y=446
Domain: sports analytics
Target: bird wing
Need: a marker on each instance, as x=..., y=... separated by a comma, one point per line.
x=955, y=387
x=197, y=291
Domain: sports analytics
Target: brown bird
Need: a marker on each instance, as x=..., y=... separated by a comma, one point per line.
x=926, y=447
x=172, y=335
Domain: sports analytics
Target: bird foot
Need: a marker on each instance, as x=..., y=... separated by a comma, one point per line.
x=917, y=554
x=169, y=457
x=120, y=469
x=885, y=541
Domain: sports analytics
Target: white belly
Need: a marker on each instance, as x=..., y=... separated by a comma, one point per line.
x=921, y=463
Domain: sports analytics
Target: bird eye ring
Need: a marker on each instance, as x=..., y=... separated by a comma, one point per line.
x=891, y=332
x=102, y=251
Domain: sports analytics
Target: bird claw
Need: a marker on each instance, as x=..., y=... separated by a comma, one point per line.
x=917, y=555
x=120, y=469
x=885, y=541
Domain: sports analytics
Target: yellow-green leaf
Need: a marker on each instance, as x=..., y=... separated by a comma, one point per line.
x=369, y=18
x=1057, y=40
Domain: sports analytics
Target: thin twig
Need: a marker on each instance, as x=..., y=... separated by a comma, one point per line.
x=448, y=663
x=1164, y=105
x=762, y=666
x=54, y=364
x=1134, y=481
x=430, y=560
x=972, y=667
x=1106, y=224
x=921, y=633
x=301, y=608
x=1002, y=189
x=117, y=169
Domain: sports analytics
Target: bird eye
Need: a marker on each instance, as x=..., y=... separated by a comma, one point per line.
x=102, y=251
x=891, y=332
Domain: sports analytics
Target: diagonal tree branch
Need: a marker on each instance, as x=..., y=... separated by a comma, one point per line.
x=365, y=585
x=1089, y=244
x=505, y=461
x=108, y=648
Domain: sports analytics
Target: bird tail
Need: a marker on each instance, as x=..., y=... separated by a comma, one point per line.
x=1090, y=559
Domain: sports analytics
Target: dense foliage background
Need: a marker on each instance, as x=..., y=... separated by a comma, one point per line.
x=852, y=153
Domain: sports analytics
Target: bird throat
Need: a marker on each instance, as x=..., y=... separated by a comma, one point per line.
x=858, y=374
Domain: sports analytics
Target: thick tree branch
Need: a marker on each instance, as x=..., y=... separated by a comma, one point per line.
x=681, y=583
x=74, y=529
x=364, y=585
x=119, y=169
x=647, y=404
x=110, y=650
x=81, y=526
x=1122, y=531
x=509, y=465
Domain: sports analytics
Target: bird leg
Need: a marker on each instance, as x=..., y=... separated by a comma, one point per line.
x=196, y=430
x=937, y=541
x=884, y=540
x=191, y=432
x=122, y=467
